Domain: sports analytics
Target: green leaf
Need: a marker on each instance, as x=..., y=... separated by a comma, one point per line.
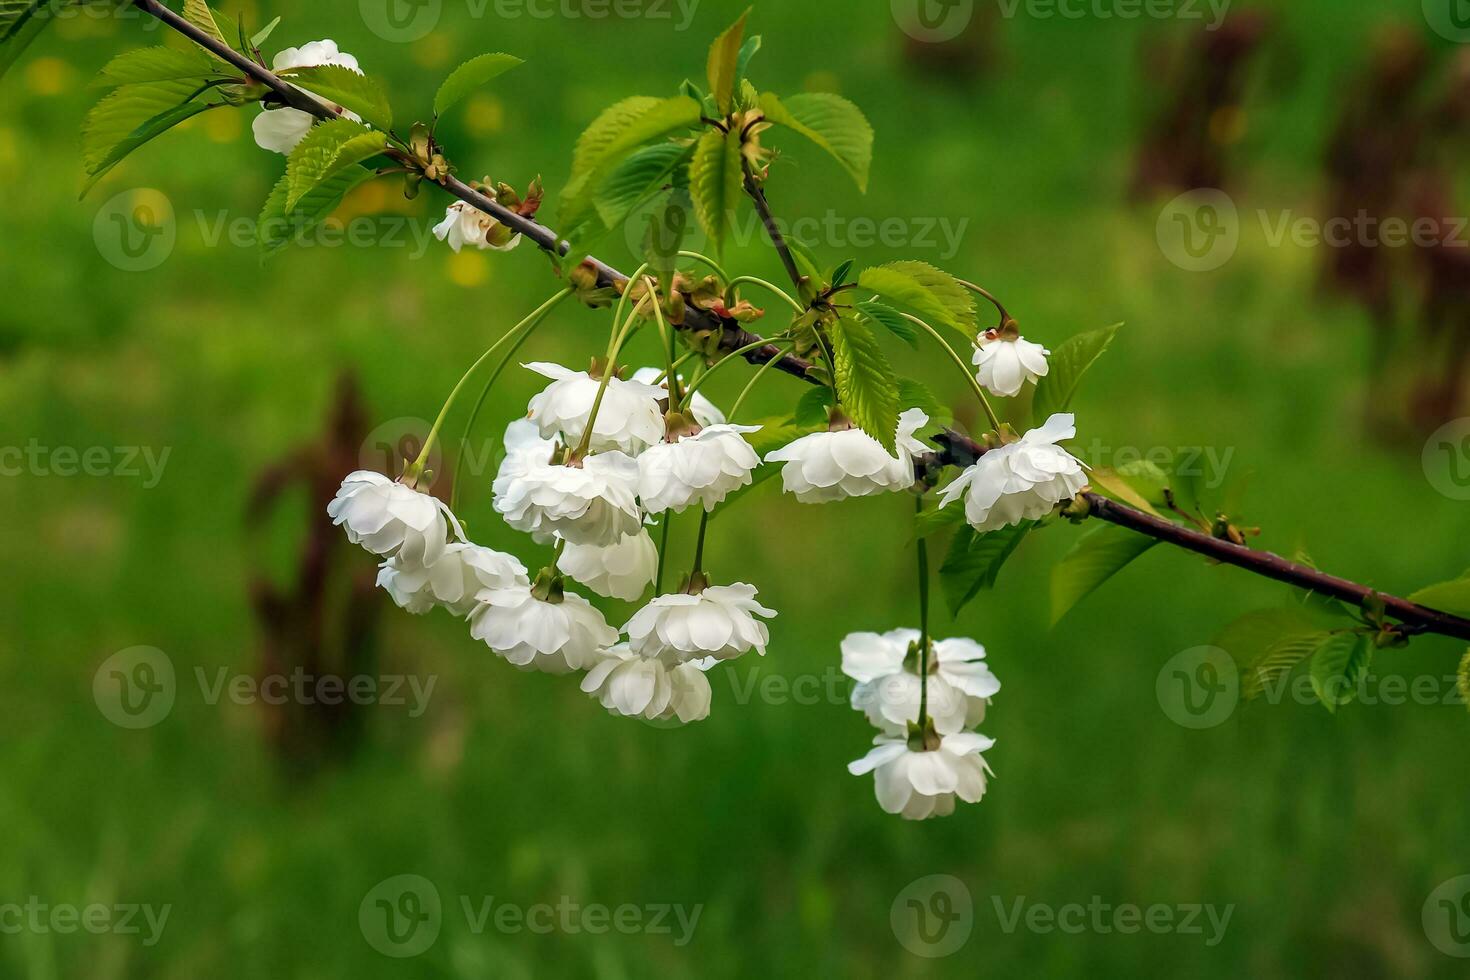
x=470, y=76
x=1338, y=667
x=146, y=132
x=831, y=122
x=157, y=64
x=612, y=137
x=664, y=237
x=129, y=110
x=1098, y=555
x=263, y=35
x=218, y=26
x=1067, y=365
x=327, y=149
x=866, y=387
x=934, y=293
x=1278, y=660
x=915, y=394
x=812, y=411
x=724, y=64
x=714, y=180
x=348, y=89
x=279, y=225
x=937, y=519
x=1450, y=597
x=747, y=51
x=637, y=179
x=892, y=320
x=1113, y=484
x=975, y=561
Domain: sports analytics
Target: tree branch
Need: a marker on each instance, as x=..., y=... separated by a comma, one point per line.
x=956, y=449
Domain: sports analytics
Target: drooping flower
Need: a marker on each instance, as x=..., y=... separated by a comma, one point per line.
x=628, y=419
x=645, y=687
x=960, y=683
x=925, y=783
x=719, y=622
x=556, y=635
x=462, y=571
x=281, y=129
x=464, y=225
x=388, y=518
x=702, y=468
x=594, y=503
x=621, y=571
x=1021, y=481
x=1005, y=365
x=703, y=410
x=827, y=466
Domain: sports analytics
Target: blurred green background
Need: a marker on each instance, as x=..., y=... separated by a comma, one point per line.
x=1326, y=834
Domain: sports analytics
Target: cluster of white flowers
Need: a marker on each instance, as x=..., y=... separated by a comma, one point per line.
x=594, y=507
x=919, y=773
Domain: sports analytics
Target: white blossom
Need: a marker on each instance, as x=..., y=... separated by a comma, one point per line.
x=594, y=503
x=461, y=572
x=1020, y=481
x=464, y=225
x=535, y=634
x=388, y=518
x=621, y=571
x=703, y=468
x=1004, y=366
x=827, y=466
x=720, y=622
x=960, y=683
x=281, y=129
x=645, y=687
x=703, y=410
x=923, y=784
x=628, y=419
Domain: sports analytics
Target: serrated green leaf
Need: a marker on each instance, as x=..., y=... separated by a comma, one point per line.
x=1338, y=667
x=279, y=225
x=218, y=26
x=157, y=64
x=866, y=386
x=724, y=64
x=115, y=120
x=1067, y=364
x=621, y=129
x=326, y=149
x=145, y=133
x=470, y=76
x=831, y=122
x=715, y=181
x=892, y=320
x=812, y=411
x=1278, y=660
x=1096, y=557
x=664, y=237
x=934, y=293
x=1113, y=484
x=1451, y=597
x=975, y=560
x=348, y=89
x=637, y=179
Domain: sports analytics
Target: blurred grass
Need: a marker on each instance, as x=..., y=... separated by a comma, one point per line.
x=1326, y=833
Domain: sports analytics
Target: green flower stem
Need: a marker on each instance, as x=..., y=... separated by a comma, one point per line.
x=699, y=544
x=623, y=305
x=700, y=257
x=964, y=369
x=501, y=365
x=417, y=466
x=923, y=624
x=772, y=287
x=663, y=549
x=759, y=373
x=607, y=375
x=734, y=355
